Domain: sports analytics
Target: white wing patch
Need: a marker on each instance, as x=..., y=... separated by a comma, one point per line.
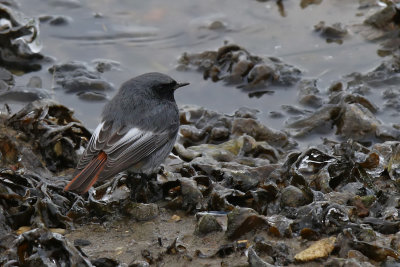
x=95, y=135
x=124, y=147
x=129, y=137
x=91, y=149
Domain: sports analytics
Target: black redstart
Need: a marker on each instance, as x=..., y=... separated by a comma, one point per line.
x=137, y=131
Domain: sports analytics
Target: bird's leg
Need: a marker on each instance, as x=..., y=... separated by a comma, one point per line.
x=137, y=184
x=143, y=187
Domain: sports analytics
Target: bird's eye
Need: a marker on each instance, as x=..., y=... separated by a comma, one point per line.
x=173, y=84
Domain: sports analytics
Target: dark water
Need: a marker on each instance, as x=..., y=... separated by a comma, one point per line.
x=150, y=36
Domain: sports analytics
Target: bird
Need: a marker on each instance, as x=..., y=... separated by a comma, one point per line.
x=138, y=129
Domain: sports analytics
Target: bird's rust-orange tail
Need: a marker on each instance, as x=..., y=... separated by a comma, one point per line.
x=88, y=176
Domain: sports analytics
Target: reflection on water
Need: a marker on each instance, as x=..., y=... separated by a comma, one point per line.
x=150, y=35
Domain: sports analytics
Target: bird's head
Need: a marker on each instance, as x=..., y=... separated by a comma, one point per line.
x=159, y=85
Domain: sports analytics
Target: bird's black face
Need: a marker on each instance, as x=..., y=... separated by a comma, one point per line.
x=166, y=89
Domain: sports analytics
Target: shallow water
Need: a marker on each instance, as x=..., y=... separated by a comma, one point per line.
x=150, y=36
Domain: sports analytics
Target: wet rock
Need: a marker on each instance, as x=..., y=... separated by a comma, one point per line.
x=373, y=250
x=391, y=98
x=219, y=133
x=384, y=73
x=192, y=196
x=211, y=22
x=219, y=216
x=357, y=123
x=92, y=96
x=138, y=263
x=276, y=253
x=279, y=226
x=185, y=153
x=334, y=33
x=55, y=20
x=292, y=196
x=293, y=110
x=241, y=180
x=254, y=260
x=260, y=132
x=237, y=66
x=242, y=221
x=383, y=18
x=321, y=121
x=308, y=93
x=321, y=217
x=10, y=3
x=197, y=124
x=383, y=226
x=201, y=126
x=354, y=99
x=24, y=94
x=207, y=224
x=19, y=35
x=333, y=262
x=78, y=77
x=353, y=115
x=193, y=133
x=244, y=112
x=54, y=130
x=142, y=212
x=40, y=247
x=175, y=247
x=320, y=249
x=102, y=65
x=231, y=248
x=393, y=165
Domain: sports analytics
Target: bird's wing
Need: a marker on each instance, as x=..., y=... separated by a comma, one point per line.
x=127, y=148
x=124, y=147
x=95, y=145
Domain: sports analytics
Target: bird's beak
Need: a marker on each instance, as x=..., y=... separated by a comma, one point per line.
x=180, y=85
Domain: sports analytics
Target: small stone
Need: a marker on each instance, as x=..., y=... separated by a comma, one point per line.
x=58, y=231
x=293, y=196
x=319, y=249
x=142, y=212
x=60, y=21
x=242, y=221
x=219, y=133
x=355, y=254
x=176, y=218
x=255, y=261
x=207, y=224
x=217, y=25
x=357, y=122
x=245, y=112
x=92, y=96
x=23, y=229
x=139, y=264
